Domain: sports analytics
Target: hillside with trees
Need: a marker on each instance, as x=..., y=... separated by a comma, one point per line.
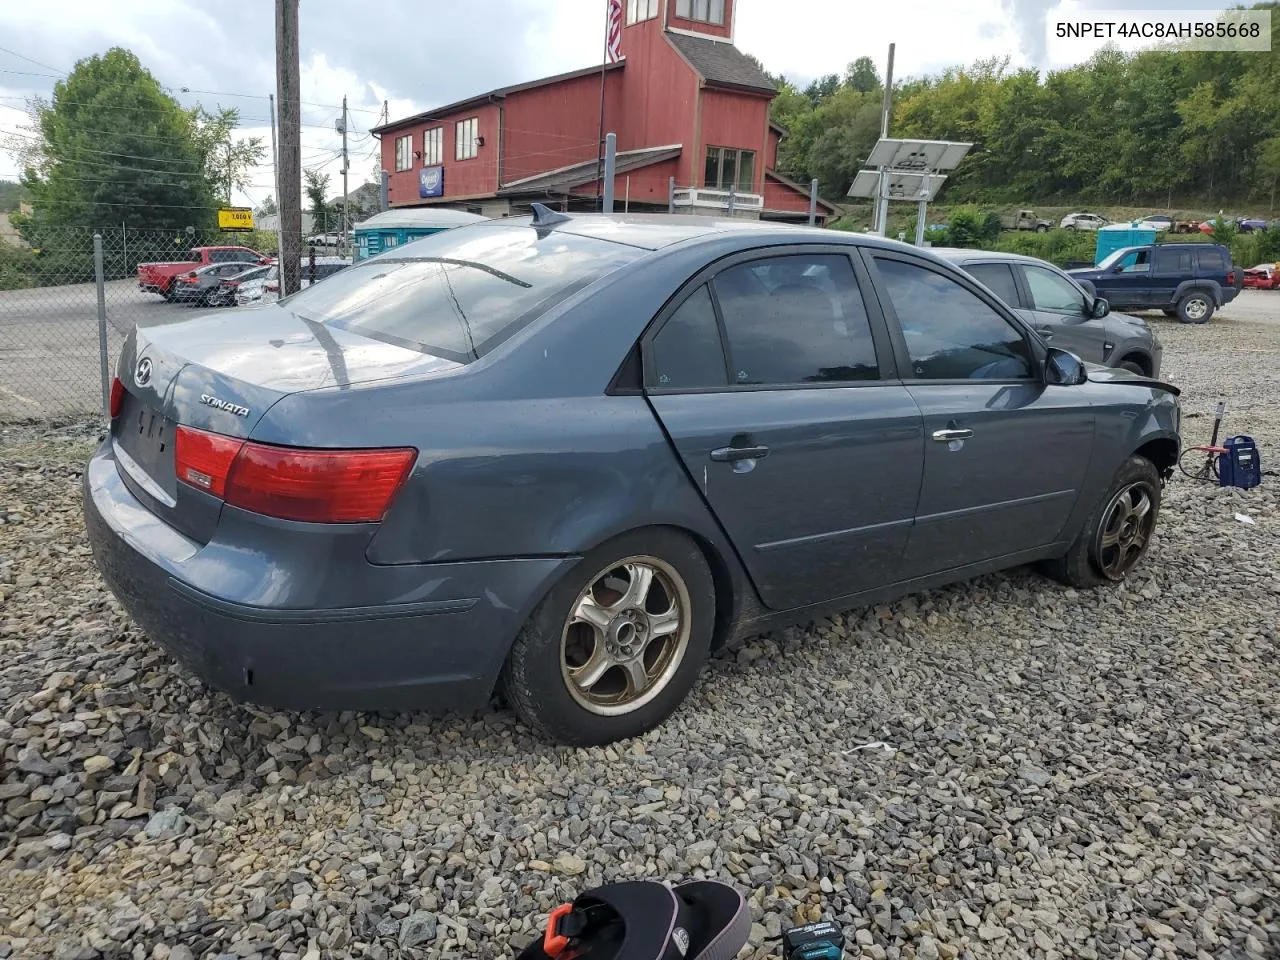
x=1153, y=127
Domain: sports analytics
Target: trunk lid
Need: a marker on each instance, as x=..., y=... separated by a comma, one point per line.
x=222, y=374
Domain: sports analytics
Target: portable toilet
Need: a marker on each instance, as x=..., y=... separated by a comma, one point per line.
x=1117, y=236
x=391, y=228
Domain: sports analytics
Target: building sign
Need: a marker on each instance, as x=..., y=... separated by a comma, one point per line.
x=431, y=182
x=235, y=219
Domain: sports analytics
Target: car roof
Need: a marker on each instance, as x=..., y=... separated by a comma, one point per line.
x=653, y=231
x=967, y=254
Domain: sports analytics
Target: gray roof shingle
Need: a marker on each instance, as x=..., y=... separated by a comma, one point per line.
x=721, y=63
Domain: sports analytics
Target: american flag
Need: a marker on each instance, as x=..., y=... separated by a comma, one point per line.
x=613, y=36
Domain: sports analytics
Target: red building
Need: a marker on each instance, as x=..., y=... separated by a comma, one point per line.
x=684, y=102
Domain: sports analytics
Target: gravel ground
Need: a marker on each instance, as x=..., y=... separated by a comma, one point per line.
x=1004, y=768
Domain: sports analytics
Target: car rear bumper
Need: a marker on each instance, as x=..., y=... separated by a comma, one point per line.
x=431, y=636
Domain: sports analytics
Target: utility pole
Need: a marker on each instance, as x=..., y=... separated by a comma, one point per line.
x=346, y=225
x=230, y=188
x=881, y=210
x=288, y=88
x=275, y=173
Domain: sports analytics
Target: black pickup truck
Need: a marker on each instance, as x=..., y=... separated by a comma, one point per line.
x=1185, y=280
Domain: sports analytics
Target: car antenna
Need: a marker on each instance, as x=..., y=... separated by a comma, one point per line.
x=544, y=216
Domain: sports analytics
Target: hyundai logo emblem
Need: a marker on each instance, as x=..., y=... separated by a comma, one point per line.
x=142, y=375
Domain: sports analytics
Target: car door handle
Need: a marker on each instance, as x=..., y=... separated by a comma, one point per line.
x=733, y=454
x=953, y=433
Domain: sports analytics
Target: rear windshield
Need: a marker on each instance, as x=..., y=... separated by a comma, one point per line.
x=459, y=293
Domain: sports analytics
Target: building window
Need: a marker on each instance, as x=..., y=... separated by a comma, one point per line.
x=433, y=146
x=464, y=138
x=638, y=10
x=726, y=166
x=706, y=11
x=404, y=152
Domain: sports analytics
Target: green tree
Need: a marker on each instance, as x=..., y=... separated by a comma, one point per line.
x=229, y=161
x=822, y=89
x=315, y=185
x=268, y=206
x=10, y=195
x=111, y=147
x=861, y=75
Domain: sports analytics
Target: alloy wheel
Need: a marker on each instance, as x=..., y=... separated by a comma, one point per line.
x=1126, y=530
x=626, y=636
x=1196, y=308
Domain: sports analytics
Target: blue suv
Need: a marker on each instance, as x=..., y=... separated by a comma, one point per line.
x=1185, y=280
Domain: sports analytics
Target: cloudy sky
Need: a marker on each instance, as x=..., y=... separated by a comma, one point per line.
x=414, y=55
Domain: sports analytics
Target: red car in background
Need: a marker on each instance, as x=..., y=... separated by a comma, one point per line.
x=1264, y=276
x=159, y=277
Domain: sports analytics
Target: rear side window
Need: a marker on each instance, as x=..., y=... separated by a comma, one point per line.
x=796, y=319
x=686, y=352
x=997, y=276
x=1211, y=260
x=1172, y=261
x=951, y=333
x=459, y=293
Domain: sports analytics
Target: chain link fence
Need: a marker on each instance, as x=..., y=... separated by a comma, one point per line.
x=61, y=331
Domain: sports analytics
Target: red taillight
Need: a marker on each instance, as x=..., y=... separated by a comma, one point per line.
x=231, y=283
x=117, y=397
x=204, y=459
x=1231, y=278
x=190, y=278
x=317, y=486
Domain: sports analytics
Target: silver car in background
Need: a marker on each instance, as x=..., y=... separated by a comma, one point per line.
x=1063, y=312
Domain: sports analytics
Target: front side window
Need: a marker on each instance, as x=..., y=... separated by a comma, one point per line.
x=433, y=146
x=686, y=352
x=465, y=133
x=1135, y=261
x=404, y=152
x=1052, y=293
x=459, y=293
x=638, y=10
x=795, y=319
x=950, y=332
x=726, y=166
x=705, y=11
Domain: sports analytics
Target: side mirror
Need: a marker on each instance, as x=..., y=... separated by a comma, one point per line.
x=1064, y=369
x=1101, y=307
x=1118, y=268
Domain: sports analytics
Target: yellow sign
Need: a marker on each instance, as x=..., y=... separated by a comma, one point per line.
x=235, y=218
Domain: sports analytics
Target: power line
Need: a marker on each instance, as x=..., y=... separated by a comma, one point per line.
x=28, y=73
x=260, y=96
x=23, y=56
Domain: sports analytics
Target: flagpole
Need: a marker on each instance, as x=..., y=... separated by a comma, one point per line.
x=604, y=63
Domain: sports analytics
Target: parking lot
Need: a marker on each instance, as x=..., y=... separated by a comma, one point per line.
x=49, y=344
x=1003, y=768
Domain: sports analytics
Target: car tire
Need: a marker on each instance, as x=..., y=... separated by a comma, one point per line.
x=1169, y=311
x=1042, y=229
x=1119, y=517
x=1069, y=226
x=1133, y=367
x=638, y=682
x=1195, y=307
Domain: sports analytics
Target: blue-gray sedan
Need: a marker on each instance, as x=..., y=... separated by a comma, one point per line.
x=569, y=455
